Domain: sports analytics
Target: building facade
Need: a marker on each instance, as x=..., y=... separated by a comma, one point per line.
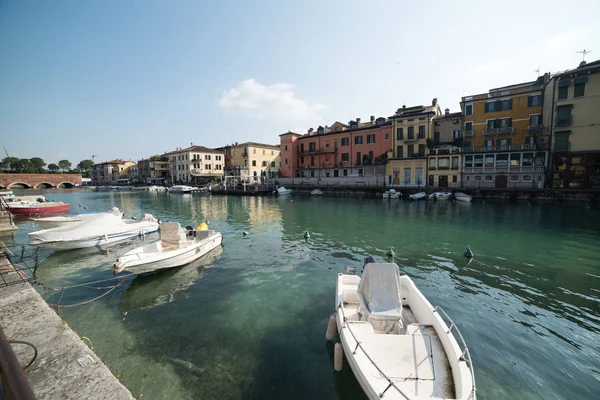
x=112, y=172
x=253, y=162
x=444, y=160
x=288, y=154
x=504, y=143
x=411, y=127
x=195, y=165
x=571, y=115
x=154, y=170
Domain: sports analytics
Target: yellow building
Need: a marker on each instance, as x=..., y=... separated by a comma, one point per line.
x=571, y=115
x=411, y=127
x=444, y=158
x=504, y=144
x=195, y=164
x=112, y=172
x=253, y=162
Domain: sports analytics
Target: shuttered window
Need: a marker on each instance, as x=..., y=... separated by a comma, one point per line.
x=561, y=141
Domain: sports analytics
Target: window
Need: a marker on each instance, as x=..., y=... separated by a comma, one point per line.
x=454, y=178
x=286, y=147
x=488, y=178
x=421, y=150
x=456, y=134
x=514, y=178
x=286, y=161
x=540, y=159
x=455, y=162
x=312, y=174
x=358, y=140
x=489, y=143
x=535, y=120
x=407, y=173
x=399, y=133
x=515, y=159
x=528, y=159
x=345, y=172
x=489, y=161
x=387, y=136
x=436, y=137
x=478, y=161
x=371, y=139
x=253, y=151
x=478, y=178
x=421, y=132
x=469, y=109
x=358, y=157
x=501, y=105
x=272, y=164
x=207, y=157
x=469, y=126
x=561, y=140
x=345, y=157
x=468, y=161
x=580, y=87
x=345, y=142
x=411, y=132
x=526, y=178
x=432, y=162
x=254, y=163
x=327, y=173
x=400, y=151
x=502, y=160
x=411, y=150
x=207, y=166
x=264, y=163
x=419, y=175
x=563, y=115
x=336, y=173
x=534, y=101
x=444, y=163
x=499, y=123
x=563, y=89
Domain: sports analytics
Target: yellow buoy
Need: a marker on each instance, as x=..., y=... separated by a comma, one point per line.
x=202, y=227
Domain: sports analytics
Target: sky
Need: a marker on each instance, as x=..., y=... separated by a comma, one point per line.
x=130, y=79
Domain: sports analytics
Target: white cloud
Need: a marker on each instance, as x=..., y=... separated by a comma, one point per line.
x=276, y=102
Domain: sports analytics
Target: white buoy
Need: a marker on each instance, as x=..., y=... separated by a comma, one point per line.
x=330, y=328
x=306, y=235
x=338, y=356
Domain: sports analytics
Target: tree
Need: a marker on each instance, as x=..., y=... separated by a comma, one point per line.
x=37, y=165
x=11, y=163
x=85, y=166
x=64, y=164
x=53, y=167
x=24, y=166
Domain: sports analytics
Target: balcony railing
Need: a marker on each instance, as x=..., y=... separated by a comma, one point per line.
x=416, y=155
x=483, y=170
x=510, y=147
x=445, y=150
x=534, y=128
x=245, y=154
x=410, y=139
x=469, y=134
x=322, y=150
x=498, y=131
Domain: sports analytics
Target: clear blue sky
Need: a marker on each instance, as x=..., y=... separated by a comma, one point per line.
x=130, y=79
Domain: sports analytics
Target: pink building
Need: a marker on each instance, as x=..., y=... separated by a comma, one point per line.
x=338, y=150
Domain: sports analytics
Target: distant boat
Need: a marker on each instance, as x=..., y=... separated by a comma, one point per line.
x=29, y=207
x=459, y=196
x=316, y=192
x=391, y=194
x=281, y=191
x=180, y=189
x=418, y=196
x=440, y=196
x=55, y=222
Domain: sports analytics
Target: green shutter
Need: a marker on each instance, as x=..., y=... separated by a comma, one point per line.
x=581, y=80
x=561, y=141
x=498, y=142
x=564, y=83
x=510, y=104
x=529, y=101
x=509, y=141
x=487, y=109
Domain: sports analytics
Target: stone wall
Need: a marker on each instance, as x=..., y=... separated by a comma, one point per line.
x=39, y=181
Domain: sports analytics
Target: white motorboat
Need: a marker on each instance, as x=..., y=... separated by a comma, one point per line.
x=175, y=248
x=418, y=196
x=281, y=191
x=439, y=196
x=7, y=195
x=316, y=192
x=391, y=194
x=55, y=222
x=181, y=189
x=100, y=231
x=398, y=345
x=459, y=196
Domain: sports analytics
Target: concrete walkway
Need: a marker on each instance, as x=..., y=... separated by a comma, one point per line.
x=65, y=367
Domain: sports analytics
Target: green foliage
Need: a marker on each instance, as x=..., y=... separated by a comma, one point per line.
x=37, y=165
x=53, y=167
x=85, y=165
x=10, y=163
x=23, y=166
x=64, y=164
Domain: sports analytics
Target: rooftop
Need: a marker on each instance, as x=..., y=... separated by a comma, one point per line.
x=196, y=149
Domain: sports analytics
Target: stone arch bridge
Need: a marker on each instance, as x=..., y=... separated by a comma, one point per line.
x=39, y=181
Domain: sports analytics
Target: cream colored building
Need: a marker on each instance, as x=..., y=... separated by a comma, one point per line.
x=195, y=164
x=570, y=114
x=253, y=162
x=112, y=172
x=443, y=158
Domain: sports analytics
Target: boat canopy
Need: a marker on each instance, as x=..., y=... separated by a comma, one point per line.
x=172, y=235
x=380, y=299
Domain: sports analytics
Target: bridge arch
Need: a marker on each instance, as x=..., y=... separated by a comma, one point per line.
x=44, y=185
x=19, y=185
x=65, y=184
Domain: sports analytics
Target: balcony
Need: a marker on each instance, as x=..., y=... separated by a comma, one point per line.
x=410, y=139
x=502, y=170
x=416, y=155
x=498, y=131
x=245, y=154
x=510, y=147
x=314, y=152
x=534, y=128
x=469, y=134
x=444, y=150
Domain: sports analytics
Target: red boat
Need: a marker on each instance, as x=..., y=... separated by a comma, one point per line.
x=37, y=208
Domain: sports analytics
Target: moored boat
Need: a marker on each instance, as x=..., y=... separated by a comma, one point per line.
x=100, y=231
x=28, y=207
x=281, y=191
x=55, y=222
x=391, y=194
x=181, y=189
x=398, y=345
x=316, y=192
x=439, y=196
x=459, y=196
x=418, y=196
x=175, y=248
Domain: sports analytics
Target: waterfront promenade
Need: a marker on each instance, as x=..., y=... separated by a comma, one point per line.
x=65, y=367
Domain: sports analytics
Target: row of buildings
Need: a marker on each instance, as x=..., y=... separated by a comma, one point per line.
x=544, y=133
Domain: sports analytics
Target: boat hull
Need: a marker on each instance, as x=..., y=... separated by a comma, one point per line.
x=37, y=209
x=135, y=262
x=102, y=242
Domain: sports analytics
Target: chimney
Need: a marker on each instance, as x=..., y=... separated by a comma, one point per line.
x=404, y=106
x=236, y=143
x=310, y=131
x=358, y=120
x=434, y=102
x=372, y=119
x=447, y=111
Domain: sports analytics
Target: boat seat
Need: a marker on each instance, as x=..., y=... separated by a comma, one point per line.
x=380, y=300
x=351, y=296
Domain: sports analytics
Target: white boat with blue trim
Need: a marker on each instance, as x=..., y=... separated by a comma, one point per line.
x=398, y=345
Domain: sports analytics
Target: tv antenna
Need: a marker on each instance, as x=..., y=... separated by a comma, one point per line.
x=583, y=53
x=537, y=71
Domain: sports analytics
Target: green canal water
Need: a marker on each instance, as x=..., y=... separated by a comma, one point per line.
x=249, y=322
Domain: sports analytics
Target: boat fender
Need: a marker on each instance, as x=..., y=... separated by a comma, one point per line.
x=338, y=356
x=468, y=252
x=331, y=328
